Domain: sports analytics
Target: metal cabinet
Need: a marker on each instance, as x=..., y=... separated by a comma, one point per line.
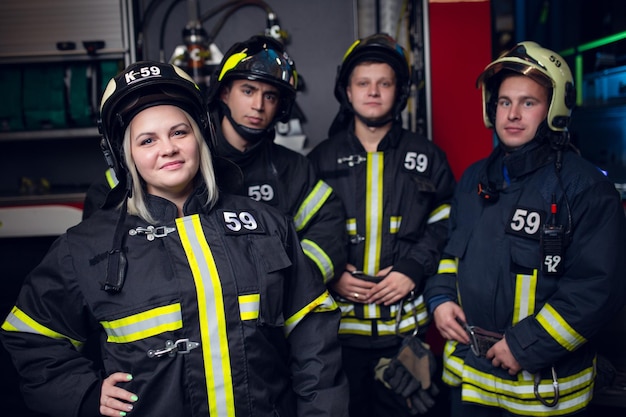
x=54, y=60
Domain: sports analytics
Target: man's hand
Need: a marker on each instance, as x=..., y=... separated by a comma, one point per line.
x=393, y=288
x=351, y=288
x=445, y=316
x=501, y=357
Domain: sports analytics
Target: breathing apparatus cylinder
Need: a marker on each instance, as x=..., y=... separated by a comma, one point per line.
x=196, y=42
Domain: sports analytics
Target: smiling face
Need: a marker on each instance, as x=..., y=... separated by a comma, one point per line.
x=372, y=90
x=521, y=107
x=165, y=151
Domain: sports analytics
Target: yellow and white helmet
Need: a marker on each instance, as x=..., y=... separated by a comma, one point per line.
x=543, y=66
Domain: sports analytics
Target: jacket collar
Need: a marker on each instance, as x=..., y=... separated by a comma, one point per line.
x=165, y=211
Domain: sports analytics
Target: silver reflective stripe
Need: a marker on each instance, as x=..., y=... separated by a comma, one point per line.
x=394, y=224
x=311, y=204
x=373, y=212
x=559, y=329
x=485, y=389
x=18, y=321
x=319, y=257
x=143, y=325
x=481, y=388
x=447, y=266
x=249, y=306
x=351, y=226
x=323, y=302
x=525, y=289
x=350, y=324
x=212, y=317
x=111, y=178
x=440, y=213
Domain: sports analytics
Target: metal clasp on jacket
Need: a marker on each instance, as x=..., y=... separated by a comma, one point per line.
x=351, y=160
x=555, y=386
x=356, y=239
x=152, y=232
x=181, y=347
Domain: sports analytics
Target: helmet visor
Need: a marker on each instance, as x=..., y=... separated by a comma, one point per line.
x=264, y=63
x=522, y=68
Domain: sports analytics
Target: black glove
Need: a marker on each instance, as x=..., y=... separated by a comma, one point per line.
x=399, y=379
x=409, y=374
x=422, y=400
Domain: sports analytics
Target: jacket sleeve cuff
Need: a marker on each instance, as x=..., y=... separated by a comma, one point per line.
x=520, y=339
x=413, y=270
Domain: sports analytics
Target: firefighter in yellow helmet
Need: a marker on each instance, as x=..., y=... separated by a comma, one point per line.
x=535, y=259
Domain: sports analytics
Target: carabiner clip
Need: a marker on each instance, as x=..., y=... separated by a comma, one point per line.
x=555, y=385
x=399, y=317
x=181, y=347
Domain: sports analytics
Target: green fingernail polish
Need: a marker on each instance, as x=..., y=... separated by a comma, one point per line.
x=134, y=398
x=122, y=413
x=129, y=377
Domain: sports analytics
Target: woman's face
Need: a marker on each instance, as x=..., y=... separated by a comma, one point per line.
x=165, y=151
x=522, y=106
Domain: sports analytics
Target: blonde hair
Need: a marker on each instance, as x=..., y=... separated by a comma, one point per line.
x=137, y=202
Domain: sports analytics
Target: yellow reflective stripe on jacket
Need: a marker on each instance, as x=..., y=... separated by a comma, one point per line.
x=212, y=317
x=351, y=226
x=18, y=321
x=249, y=306
x=440, y=213
x=350, y=324
x=324, y=302
x=319, y=257
x=453, y=365
x=559, y=329
x=111, y=178
x=145, y=324
x=516, y=396
x=373, y=212
x=394, y=224
x=311, y=204
x=525, y=290
x=448, y=266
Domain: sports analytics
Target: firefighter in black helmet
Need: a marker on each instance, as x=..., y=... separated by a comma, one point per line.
x=396, y=187
x=254, y=88
x=534, y=265
x=375, y=48
x=200, y=303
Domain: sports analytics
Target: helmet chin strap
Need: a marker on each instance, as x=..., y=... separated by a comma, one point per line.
x=543, y=134
x=370, y=122
x=247, y=133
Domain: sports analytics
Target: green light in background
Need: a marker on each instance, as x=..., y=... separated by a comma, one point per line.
x=594, y=44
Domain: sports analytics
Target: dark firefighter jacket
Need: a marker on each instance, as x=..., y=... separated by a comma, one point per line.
x=232, y=280
x=507, y=284
x=280, y=177
x=397, y=201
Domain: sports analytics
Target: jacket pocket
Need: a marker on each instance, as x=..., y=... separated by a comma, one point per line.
x=524, y=254
x=272, y=262
x=457, y=243
x=418, y=197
